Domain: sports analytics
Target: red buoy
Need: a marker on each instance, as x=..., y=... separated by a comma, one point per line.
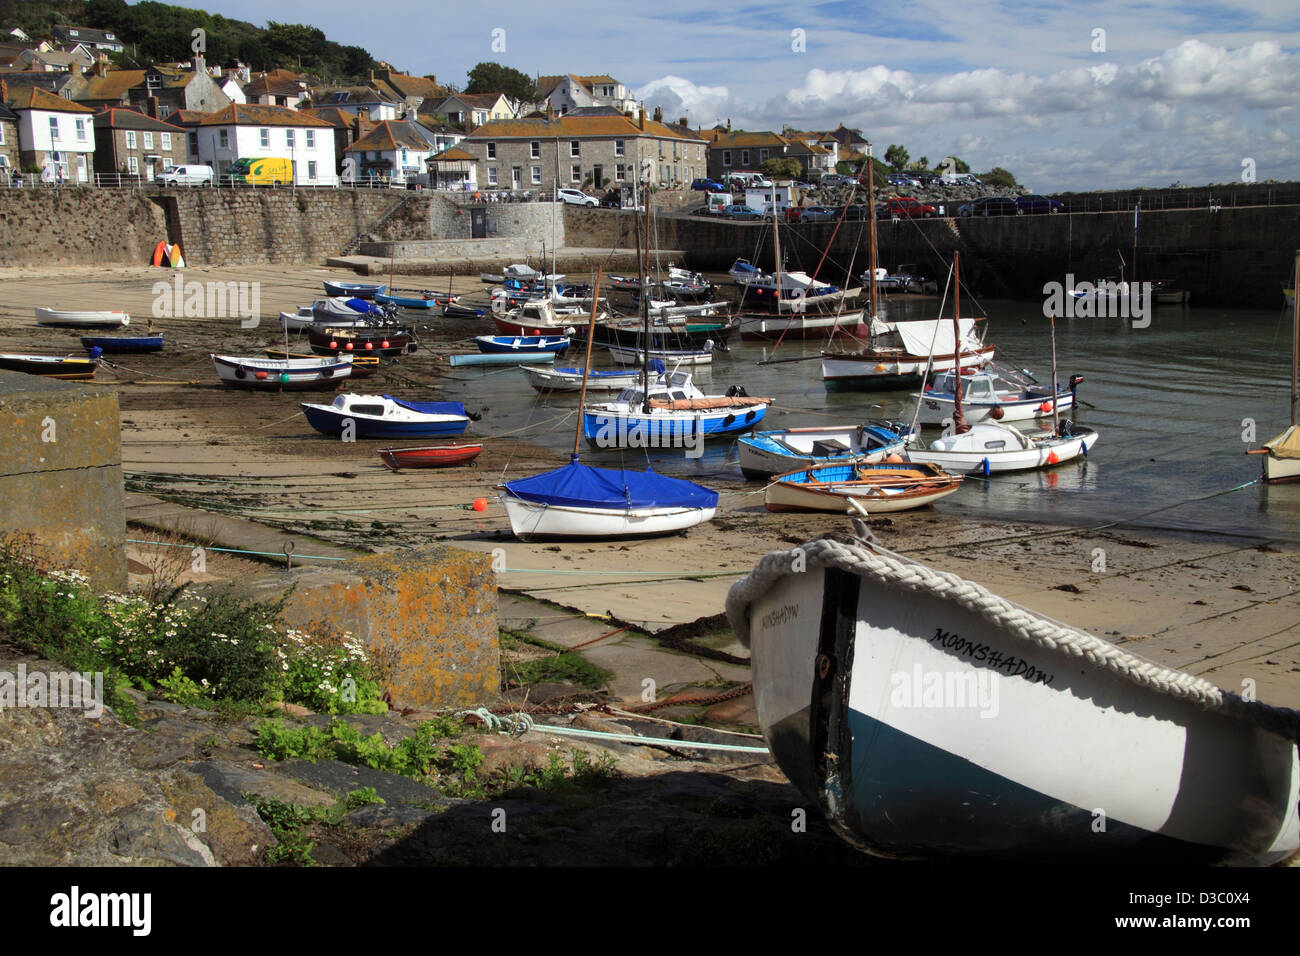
x=348, y=346
x=370, y=345
x=1045, y=407
x=333, y=344
x=1052, y=458
x=260, y=375
x=384, y=344
x=480, y=504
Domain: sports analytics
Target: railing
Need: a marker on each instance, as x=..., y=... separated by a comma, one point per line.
x=1183, y=197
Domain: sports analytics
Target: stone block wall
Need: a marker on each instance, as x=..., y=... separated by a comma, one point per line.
x=428, y=618
x=71, y=225
x=62, y=475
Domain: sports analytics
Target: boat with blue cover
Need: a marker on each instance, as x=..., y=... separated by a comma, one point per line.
x=580, y=501
x=382, y=416
x=768, y=453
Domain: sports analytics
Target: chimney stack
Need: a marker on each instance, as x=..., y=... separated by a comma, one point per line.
x=659, y=114
x=4, y=91
x=151, y=106
x=641, y=123
x=200, y=63
x=728, y=124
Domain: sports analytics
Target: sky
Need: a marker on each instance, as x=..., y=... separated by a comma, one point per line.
x=1064, y=95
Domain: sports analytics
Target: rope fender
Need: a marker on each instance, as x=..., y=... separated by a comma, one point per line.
x=898, y=573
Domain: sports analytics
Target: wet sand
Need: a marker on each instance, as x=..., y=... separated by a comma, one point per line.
x=1227, y=608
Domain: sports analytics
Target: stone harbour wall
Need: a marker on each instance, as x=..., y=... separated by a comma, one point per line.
x=76, y=225
x=61, y=477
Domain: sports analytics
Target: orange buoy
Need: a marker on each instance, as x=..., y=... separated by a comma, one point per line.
x=480, y=504
x=260, y=374
x=1052, y=458
x=996, y=413
x=1045, y=407
x=894, y=459
x=880, y=368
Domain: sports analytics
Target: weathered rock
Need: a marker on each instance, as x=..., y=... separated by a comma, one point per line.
x=343, y=778
x=327, y=854
x=149, y=838
x=232, y=830
x=387, y=815
x=230, y=781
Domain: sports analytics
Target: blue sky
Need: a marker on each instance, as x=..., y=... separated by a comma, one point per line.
x=1179, y=91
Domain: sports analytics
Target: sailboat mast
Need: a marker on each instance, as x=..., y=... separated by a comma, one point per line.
x=586, y=365
x=1295, y=343
x=776, y=251
x=871, y=214
x=1056, y=418
x=643, y=264
x=958, y=419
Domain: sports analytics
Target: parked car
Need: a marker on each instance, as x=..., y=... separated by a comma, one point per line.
x=576, y=197
x=741, y=211
x=902, y=181
x=990, y=206
x=187, y=176
x=1032, y=205
x=905, y=207
x=794, y=214
x=854, y=211
x=960, y=179
x=800, y=184
x=708, y=185
x=835, y=179
x=819, y=214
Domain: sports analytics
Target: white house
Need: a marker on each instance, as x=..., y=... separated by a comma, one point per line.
x=56, y=134
x=567, y=92
x=252, y=131
x=377, y=105
x=232, y=88
x=393, y=151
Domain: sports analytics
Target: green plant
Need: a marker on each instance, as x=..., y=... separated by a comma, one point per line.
x=286, y=821
x=179, y=689
x=328, y=672
x=362, y=797
x=568, y=667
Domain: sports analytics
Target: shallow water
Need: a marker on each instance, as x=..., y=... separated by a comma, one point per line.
x=1168, y=402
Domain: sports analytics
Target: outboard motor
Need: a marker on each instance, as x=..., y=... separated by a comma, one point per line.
x=737, y=391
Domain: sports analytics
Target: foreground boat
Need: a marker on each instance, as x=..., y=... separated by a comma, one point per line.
x=768, y=453
x=926, y=716
x=672, y=414
x=382, y=416
x=1282, y=454
x=123, y=343
x=430, y=456
x=50, y=366
x=81, y=318
x=862, y=488
x=275, y=374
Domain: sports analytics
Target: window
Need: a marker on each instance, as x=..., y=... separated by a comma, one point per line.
x=311, y=169
x=620, y=173
x=194, y=144
x=54, y=129
x=264, y=138
x=148, y=140
x=166, y=139
x=726, y=157
x=2, y=134
x=288, y=139
x=164, y=112
x=537, y=175
x=534, y=150
x=133, y=165
x=619, y=148
x=744, y=157
x=223, y=138
x=491, y=150
x=762, y=155
x=130, y=139
x=575, y=174
x=492, y=175
x=310, y=136
x=574, y=146
x=661, y=149
x=81, y=130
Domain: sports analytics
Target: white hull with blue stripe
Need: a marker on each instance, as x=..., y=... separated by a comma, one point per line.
x=925, y=716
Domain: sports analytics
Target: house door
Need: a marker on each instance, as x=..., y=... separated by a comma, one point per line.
x=597, y=176
x=82, y=175
x=516, y=177
x=478, y=223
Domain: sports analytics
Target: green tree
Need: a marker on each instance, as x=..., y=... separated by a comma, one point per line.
x=998, y=176
x=922, y=165
x=781, y=168
x=495, y=78
x=896, y=156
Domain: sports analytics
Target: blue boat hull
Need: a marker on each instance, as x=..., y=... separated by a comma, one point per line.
x=331, y=423
x=493, y=347
x=123, y=343
x=353, y=290
x=614, y=431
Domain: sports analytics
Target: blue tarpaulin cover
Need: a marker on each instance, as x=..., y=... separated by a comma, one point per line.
x=583, y=486
x=430, y=408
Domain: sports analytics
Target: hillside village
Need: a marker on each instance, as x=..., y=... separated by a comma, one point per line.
x=68, y=114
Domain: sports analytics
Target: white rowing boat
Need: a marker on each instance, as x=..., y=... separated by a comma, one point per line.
x=83, y=319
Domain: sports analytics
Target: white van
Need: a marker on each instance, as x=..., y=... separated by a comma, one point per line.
x=187, y=176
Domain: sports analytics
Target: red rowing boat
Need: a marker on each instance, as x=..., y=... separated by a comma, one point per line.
x=430, y=456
